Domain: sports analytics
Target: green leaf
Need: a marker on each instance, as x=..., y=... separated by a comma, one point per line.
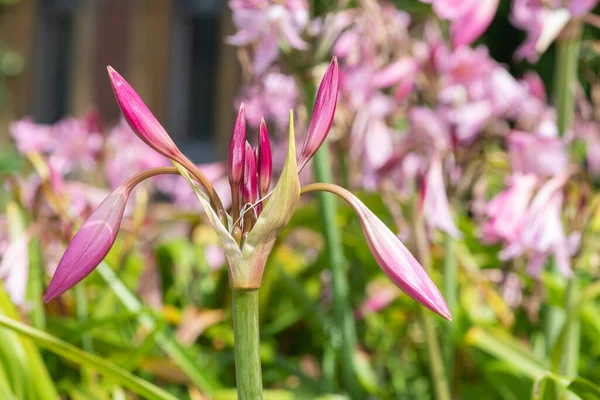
x=72, y=353
x=509, y=350
x=548, y=387
x=585, y=389
x=164, y=340
x=27, y=371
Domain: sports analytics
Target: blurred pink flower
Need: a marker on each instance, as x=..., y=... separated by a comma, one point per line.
x=68, y=144
x=507, y=209
x=543, y=22
x=78, y=147
x=468, y=18
x=380, y=296
x=271, y=97
x=533, y=154
x=14, y=268
x=534, y=85
x=434, y=200
x=542, y=232
x=32, y=137
x=127, y=155
x=266, y=23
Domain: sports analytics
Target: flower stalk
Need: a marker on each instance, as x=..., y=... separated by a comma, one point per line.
x=567, y=58
x=450, y=294
x=436, y=360
x=247, y=344
x=342, y=312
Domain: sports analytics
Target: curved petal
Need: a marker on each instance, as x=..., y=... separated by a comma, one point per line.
x=391, y=255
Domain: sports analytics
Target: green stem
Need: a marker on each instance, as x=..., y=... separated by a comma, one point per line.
x=567, y=57
x=436, y=361
x=81, y=308
x=344, y=329
x=247, y=344
x=566, y=83
x=450, y=294
x=570, y=353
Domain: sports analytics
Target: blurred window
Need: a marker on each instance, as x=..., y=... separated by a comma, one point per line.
x=194, y=53
x=53, y=54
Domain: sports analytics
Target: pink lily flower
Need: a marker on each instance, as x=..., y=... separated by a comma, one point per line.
x=266, y=23
x=542, y=232
x=468, y=18
x=507, y=210
x=248, y=239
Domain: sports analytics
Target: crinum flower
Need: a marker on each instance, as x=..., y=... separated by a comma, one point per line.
x=257, y=216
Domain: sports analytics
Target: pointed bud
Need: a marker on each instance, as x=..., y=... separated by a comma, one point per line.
x=141, y=120
x=391, y=255
x=265, y=161
x=235, y=161
x=95, y=237
x=323, y=113
x=90, y=245
x=250, y=182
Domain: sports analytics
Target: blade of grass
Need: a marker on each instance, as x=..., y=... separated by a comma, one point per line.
x=164, y=340
x=72, y=353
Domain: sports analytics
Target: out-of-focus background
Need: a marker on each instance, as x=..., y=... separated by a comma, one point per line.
x=55, y=52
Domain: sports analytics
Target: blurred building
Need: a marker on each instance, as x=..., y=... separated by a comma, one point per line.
x=172, y=51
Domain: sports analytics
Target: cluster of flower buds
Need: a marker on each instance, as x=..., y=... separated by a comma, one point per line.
x=249, y=233
x=249, y=171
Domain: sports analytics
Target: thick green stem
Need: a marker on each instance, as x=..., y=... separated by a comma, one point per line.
x=436, y=361
x=450, y=294
x=565, y=85
x=343, y=331
x=247, y=344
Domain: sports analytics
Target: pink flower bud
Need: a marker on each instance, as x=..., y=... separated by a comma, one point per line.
x=265, y=161
x=95, y=237
x=392, y=256
x=323, y=113
x=91, y=243
x=235, y=161
x=250, y=182
x=141, y=120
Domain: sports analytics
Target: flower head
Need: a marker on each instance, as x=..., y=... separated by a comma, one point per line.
x=248, y=238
